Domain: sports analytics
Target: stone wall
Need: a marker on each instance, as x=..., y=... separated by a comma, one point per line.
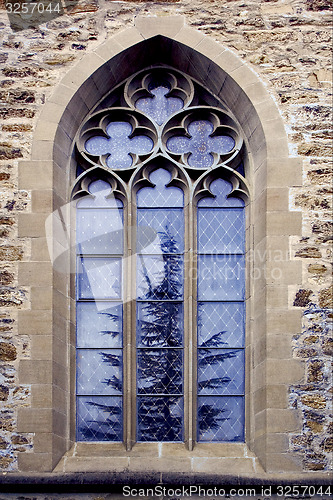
x=288, y=44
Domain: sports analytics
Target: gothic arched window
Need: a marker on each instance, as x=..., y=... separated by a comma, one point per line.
x=160, y=288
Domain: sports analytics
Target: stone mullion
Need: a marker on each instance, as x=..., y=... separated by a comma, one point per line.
x=190, y=323
x=129, y=324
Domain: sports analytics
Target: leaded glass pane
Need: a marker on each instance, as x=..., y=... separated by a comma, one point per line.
x=220, y=418
x=160, y=195
x=99, y=278
x=201, y=144
x=160, y=371
x=99, y=324
x=159, y=324
x=159, y=277
x=160, y=106
x=221, y=371
x=160, y=418
x=99, y=418
x=221, y=188
x=119, y=145
x=221, y=324
x=99, y=372
x=168, y=226
x=221, y=230
x=221, y=277
x=100, y=231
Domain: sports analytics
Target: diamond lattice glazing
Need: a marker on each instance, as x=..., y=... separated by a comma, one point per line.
x=221, y=231
x=168, y=225
x=160, y=371
x=99, y=418
x=221, y=371
x=220, y=418
x=99, y=324
x=159, y=324
x=221, y=277
x=99, y=278
x=221, y=324
x=160, y=418
x=99, y=371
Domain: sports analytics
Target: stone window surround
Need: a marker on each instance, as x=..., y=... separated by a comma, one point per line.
x=271, y=322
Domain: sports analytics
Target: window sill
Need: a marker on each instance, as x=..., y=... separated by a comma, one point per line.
x=205, y=458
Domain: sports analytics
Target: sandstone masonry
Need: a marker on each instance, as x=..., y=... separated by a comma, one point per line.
x=288, y=44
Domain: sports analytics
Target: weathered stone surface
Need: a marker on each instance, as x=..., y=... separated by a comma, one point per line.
x=327, y=444
x=308, y=253
x=317, y=269
x=4, y=392
x=315, y=461
x=314, y=401
x=17, y=96
x=16, y=113
x=10, y=297
x=320, y=176
x=12, y=72
x=7, y=352
x=328, y=347
x=11, y=253
x=6, y=277
x=9, y=153
x=302, y=298
x=318, y=5
x=19, y=439
x=315, y=371
x=326, y=298
x=305, y=352
x=16, y=127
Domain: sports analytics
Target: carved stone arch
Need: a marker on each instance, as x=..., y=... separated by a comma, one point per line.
x=268, y=168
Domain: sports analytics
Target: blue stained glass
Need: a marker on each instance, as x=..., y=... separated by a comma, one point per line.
x=200, y=144
x=99, y=418
x=160, y=196
x=221, y=188
x=159, y=277
x=221, y=230
x=160, y=418
x=160, y=106
x=99, y=324
x=99, y=372
x=101, y=197
x=100, y=231
x=98, y=278
x=168, y=225
x=160, y=371
x=221, y=371
x=221, y=277
x=220, y=418
x=159, y=324
x=119, y=145
x=221, y=324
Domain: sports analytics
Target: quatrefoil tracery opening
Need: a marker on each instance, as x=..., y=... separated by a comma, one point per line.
x=162, y=117
x=119, y=145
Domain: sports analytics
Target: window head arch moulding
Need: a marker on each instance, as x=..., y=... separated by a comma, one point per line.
x=232, y=103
